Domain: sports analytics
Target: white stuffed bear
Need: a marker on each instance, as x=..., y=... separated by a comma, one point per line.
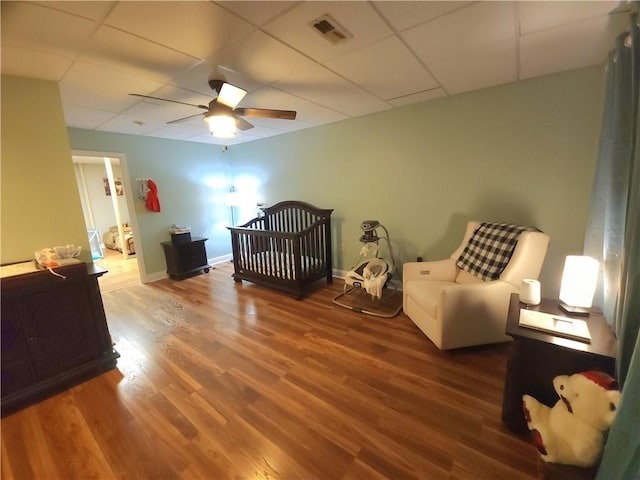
x=572, y=432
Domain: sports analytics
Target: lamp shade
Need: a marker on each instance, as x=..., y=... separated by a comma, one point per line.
x=221, y=120
x=579, y=279
x=221, y=126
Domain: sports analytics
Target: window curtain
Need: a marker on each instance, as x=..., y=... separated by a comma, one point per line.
x=613, y=236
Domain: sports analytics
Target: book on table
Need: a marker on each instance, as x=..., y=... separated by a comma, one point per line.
x=573, y=328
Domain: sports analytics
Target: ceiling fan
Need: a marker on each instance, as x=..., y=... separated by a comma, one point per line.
x=221, y=115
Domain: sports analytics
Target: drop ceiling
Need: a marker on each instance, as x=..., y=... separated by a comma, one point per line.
x=398, y=53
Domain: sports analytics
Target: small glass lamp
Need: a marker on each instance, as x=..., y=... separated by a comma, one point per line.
x=578, y=286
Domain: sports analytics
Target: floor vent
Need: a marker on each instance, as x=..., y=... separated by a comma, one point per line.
x=331, y=30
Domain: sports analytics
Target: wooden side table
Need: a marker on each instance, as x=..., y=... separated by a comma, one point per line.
x=186, y=257
x=537, y=357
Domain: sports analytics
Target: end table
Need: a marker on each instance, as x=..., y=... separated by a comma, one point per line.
x=537, y=357
x=186, y=258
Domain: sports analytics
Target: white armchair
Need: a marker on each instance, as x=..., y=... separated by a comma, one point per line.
x=456, y=309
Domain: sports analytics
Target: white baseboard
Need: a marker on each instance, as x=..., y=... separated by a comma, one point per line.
x=154, y=277
x=220, y=259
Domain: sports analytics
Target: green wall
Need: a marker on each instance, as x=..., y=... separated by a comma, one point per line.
x=40, y=201
x=192, y=180
x=522, y=153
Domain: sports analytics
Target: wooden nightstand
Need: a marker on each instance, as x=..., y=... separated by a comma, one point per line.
x=537, y=357
x=186, y=257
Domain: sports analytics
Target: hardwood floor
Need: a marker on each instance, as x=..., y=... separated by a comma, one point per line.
x=122, y=272
x=219, y=380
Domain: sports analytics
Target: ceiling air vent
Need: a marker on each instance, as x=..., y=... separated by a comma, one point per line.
x=330, y=29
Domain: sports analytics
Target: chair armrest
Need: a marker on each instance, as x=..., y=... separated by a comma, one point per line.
x=443, y=270
x=474, y=314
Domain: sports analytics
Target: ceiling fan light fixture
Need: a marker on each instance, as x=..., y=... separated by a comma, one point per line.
x=231, y=95
x=221, y=126
x=222, y=116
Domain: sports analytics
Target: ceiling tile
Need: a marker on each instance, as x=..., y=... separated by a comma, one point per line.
x=259, y=131
x=171, y=92
x=93, y=10
x=88, y=118
x=258, y=13
x=178, y=131
x=385, y=68
x=29, y=63
x=564, y=48
x=313, y=114
x=535, y=16
x=418, y=97
x=269, y=97
x=196, y=28
x=26, y=25
x=404, y=14
x=262, y=58
x=355, y=102
x=467, y=29
x=492, y=65
x=326, y=88
x=122, y=51
x=88, y=85
x=130, y=125
x=316, y=84
x=153, y=111
x=358, y=18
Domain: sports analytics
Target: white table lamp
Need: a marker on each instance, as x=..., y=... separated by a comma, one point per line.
x=578, y=286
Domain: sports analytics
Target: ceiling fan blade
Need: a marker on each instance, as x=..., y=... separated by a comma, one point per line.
x=167, y=100
x=242, y=124
x=179, y=120
x=266, y=113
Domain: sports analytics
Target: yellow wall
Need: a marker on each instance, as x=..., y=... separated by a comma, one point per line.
x=40, y=204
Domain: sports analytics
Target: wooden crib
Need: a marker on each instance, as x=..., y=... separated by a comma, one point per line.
x=287, y=249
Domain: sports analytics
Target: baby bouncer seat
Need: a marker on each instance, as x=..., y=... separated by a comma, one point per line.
x=366, y=284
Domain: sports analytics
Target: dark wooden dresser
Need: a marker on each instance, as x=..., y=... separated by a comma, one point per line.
x=54, y=333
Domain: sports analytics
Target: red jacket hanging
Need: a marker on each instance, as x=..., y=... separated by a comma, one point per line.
x=153, y=202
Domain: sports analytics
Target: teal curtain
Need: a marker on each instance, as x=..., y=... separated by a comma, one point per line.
x=604, y=238
x=621, y=250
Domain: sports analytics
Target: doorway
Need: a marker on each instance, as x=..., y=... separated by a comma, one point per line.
x=105, y=205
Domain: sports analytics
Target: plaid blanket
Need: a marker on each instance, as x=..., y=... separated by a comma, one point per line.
x=490, y=249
